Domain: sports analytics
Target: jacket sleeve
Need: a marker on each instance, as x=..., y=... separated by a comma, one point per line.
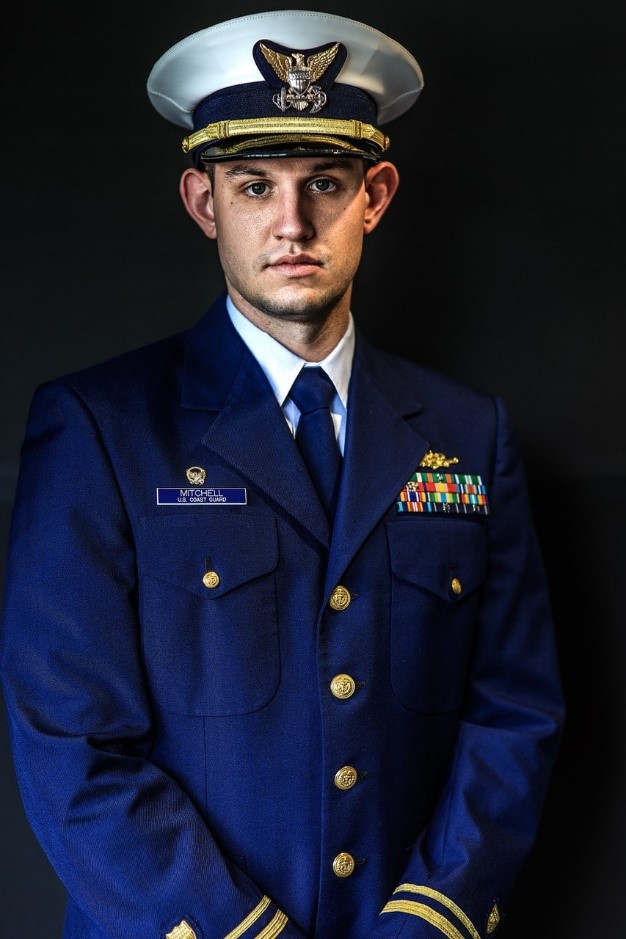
x=464, y=866
x=131, y=848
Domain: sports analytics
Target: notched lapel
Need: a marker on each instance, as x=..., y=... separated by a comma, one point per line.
x=249, y=430
x=382, y=451
x=251, y=433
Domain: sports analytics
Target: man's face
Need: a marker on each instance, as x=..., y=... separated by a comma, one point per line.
x=290, y=233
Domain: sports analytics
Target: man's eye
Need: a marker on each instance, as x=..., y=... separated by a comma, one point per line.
x=323, y=185
x=257, y=189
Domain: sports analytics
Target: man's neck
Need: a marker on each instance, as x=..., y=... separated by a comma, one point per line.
x=310, y=341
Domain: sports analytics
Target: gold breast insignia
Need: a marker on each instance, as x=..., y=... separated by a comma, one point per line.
x=196, y=475
x=433, y=460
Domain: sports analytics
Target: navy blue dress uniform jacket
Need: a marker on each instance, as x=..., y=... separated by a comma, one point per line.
x=177, y=736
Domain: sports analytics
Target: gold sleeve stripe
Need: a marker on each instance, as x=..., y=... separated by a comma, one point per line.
x=274, y=927
x=425, y=912
x=245, y=924
x=445, y=901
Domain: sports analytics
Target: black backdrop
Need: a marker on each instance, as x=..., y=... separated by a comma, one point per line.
x=501, y=262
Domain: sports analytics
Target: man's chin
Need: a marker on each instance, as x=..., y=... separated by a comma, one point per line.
x=297, y=306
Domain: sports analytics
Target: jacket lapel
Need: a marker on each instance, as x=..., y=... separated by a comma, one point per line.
x=249, y=430
x=382, y=451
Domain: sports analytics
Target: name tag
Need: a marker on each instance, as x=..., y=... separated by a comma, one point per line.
x=202, y=496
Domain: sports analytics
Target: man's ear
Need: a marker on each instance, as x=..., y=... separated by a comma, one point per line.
x=381, y=184
x=197, y=195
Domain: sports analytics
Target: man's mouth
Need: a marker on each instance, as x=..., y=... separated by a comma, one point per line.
x=295, y=265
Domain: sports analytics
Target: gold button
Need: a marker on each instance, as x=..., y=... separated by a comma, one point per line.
x=346, y=777
x=343, y=686
x=339, y=598
x=211, y=579
x=343, y=865
x=456, y=586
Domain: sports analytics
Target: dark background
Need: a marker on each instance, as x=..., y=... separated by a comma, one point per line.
x=501, y=262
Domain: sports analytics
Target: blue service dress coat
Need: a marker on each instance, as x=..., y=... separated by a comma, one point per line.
x=210, y=739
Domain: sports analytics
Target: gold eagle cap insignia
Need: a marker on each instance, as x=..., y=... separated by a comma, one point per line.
x=435, y=461
x=315, y=65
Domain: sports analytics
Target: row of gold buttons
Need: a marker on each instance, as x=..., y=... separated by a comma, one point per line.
x=342, y=687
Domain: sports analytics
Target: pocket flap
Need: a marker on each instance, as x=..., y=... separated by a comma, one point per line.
x=446, y=557
x=235, y=546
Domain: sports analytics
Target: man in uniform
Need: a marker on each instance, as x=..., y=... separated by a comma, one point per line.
x=288, y=668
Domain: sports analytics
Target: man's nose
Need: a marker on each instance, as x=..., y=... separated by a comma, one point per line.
x=293, y=220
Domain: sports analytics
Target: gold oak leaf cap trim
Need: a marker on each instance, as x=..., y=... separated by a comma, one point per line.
x=282, y=129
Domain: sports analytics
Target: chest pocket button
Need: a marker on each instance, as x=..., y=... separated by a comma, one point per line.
x=456, y=586
x=211, y=579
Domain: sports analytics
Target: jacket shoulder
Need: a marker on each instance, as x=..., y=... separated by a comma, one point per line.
x=127, y=377
x=431, y=387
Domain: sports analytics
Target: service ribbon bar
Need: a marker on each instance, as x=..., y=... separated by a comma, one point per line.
x=460, y=493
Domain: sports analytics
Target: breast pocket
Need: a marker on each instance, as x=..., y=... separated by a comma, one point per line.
x=438, y=566
x=208, y=610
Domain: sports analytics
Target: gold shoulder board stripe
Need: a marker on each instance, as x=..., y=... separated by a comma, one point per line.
x=424, y=912
x=245, y=924
x=445, y=901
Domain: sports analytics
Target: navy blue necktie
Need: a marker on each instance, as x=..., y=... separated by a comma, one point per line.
x=313, y=393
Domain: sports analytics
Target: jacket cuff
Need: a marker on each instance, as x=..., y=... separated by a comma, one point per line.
x=265, y=921
x=443, y=914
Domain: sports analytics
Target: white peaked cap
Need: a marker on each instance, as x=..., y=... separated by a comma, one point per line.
x=221, y=56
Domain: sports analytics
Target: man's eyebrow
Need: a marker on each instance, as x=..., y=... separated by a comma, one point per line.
x=324, y=165
x=243, y=170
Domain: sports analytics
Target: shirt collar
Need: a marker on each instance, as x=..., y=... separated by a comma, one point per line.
x=281, y=366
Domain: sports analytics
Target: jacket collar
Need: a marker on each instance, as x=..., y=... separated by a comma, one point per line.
x=249, y=432
x=213, y=355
